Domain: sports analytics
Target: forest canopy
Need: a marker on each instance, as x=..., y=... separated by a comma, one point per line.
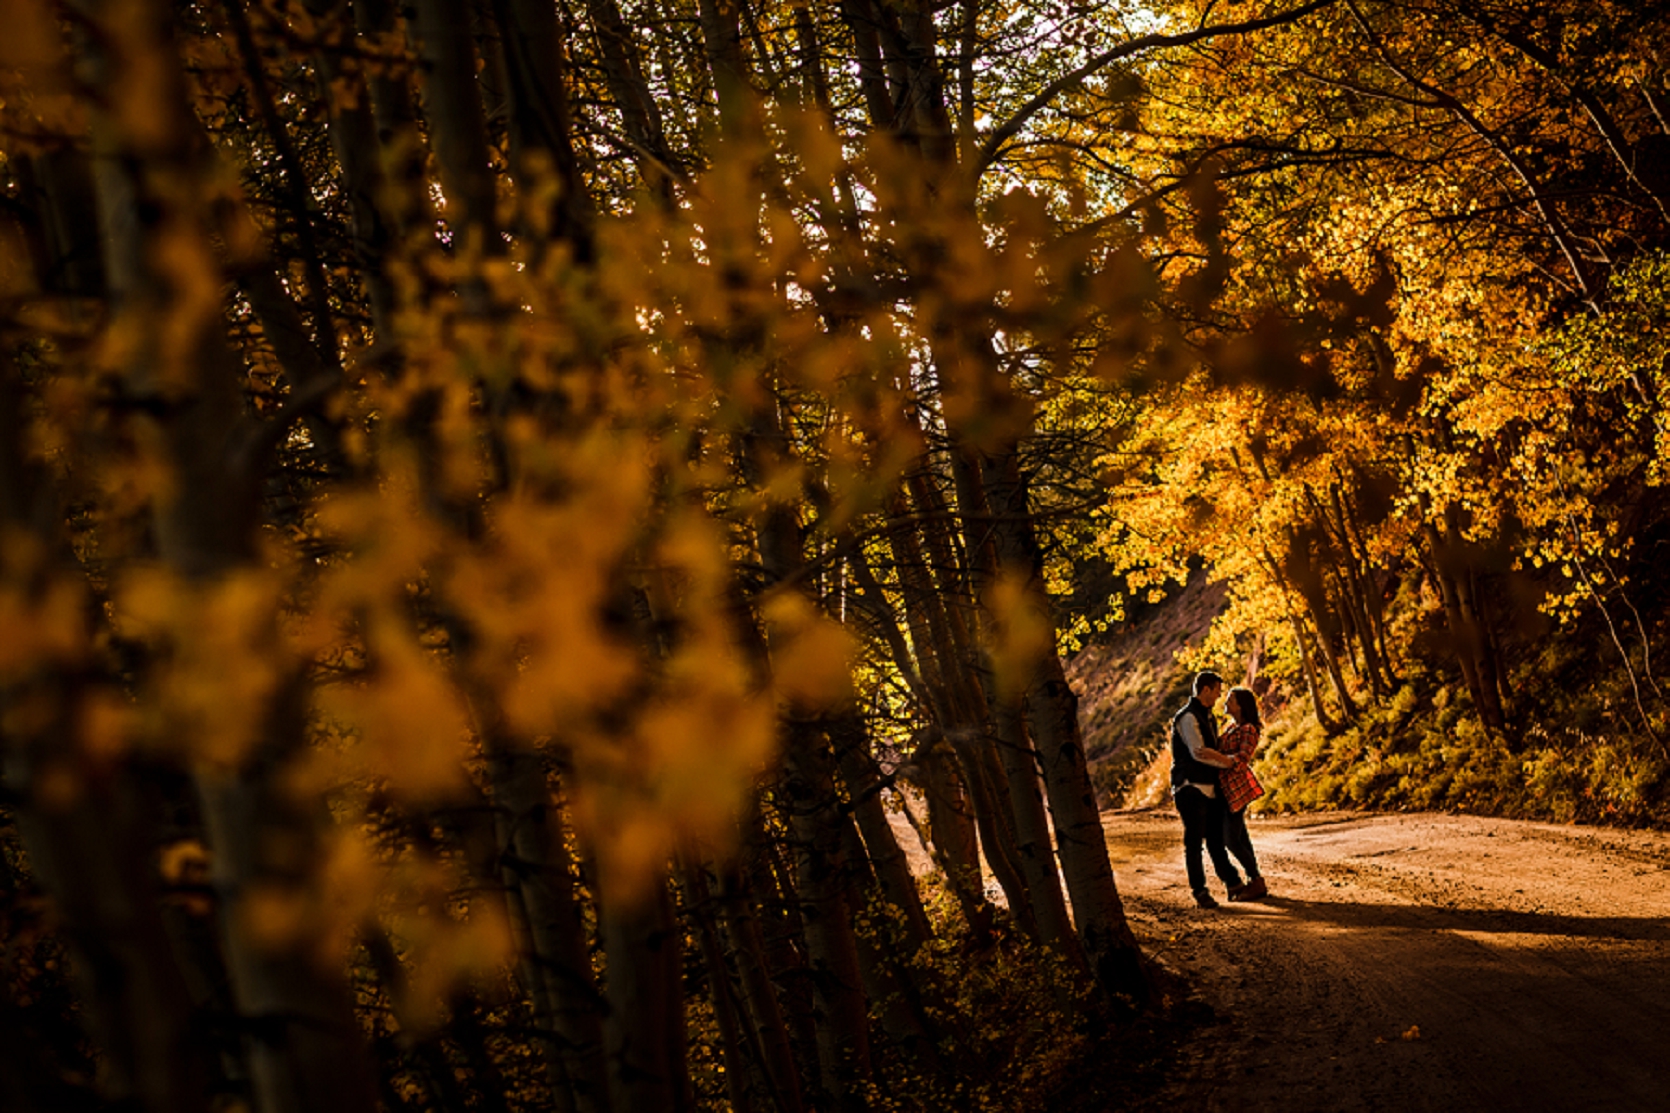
x=511, y=512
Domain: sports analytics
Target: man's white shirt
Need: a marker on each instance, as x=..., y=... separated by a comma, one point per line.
x=1189, y=728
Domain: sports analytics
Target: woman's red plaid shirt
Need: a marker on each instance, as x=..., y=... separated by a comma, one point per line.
x=1240, y=786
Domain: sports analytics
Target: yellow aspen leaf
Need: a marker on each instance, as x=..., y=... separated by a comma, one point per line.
x=348, y=884
x=1021, y=632
x=446, y=951
x=221, y=667
x=691, y=544
x=785, y=483
x=484, y=943
x=703, y=753
x=185, y=862
x=41, y=629
x=106, y=722
x=31, y=42
x=185, y=866
x=411, y=722
x=633, y=842
x=17, y=277
x=219, y=662
x=811, y=655
x=55, y=787
x=274, y=917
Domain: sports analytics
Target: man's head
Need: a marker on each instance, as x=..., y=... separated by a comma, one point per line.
x=1208, y=687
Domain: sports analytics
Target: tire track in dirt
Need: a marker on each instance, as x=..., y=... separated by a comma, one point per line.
x=1416, y=962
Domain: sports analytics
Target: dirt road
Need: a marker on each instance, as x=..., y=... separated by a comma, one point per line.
x=1417, y=962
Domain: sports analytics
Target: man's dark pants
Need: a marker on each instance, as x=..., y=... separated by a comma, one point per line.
x=1203, y=822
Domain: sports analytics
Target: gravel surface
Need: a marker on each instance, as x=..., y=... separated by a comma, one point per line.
x=1416, y=962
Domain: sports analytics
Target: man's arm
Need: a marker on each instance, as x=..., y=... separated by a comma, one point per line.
x=1198, y=749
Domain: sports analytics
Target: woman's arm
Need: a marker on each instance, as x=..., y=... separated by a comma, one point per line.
x=1241, y=741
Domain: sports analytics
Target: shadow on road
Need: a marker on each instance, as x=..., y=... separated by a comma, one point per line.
x=1353, y=914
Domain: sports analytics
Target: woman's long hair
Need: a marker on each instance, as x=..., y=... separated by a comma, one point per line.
x=1248, y=704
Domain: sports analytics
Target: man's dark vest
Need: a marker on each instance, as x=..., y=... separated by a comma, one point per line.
x=1184, y=768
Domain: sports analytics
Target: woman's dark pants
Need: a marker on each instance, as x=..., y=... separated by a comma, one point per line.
x=1203, y=822
x=1239, y=842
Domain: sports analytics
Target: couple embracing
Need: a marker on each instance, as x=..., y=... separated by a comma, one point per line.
x=1212, y=785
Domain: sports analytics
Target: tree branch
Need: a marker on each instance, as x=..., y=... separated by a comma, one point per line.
x=1006, y=130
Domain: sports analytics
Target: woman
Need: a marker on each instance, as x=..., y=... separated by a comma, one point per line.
x=1241, y=788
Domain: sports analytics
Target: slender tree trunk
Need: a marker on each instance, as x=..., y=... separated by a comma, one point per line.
x=487, y=1081
x=93, y=849
x=358, y=150
x=953, y=833
x=394, y=109
x=644, y=1031
x=1493, y=651
x=972, y=692
x=1329, y=726
x=1034, y=851
x=740, y=923
x=1109, y=944
x=541, y=131
x=1016, y=752
x=95, y=859
x=955, y=569
x=292, y=182
x=457, y=121
x=1374, y=590
x=441, y=1077
x=785, y=968
x=1462, y=611
x=887, y=983
x=1312, y=591
x=1353, y=575
x=958, y=708
x=1051, y=714
x=1336, y=586
x=1461, y=630
x=58, y=218
x=955, y=706
x=556, y=966
x=307, y=1054
x=863, y=785
x=808, y=788
x=982, y=777
x=742, y=1056
x=722, y=38
x=872, y=79
x=1481, y=642
x=623, y=73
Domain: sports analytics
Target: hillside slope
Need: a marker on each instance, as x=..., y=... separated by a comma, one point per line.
x=1130, y=682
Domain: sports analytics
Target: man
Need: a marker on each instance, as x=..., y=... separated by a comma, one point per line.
x=1194, y=787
